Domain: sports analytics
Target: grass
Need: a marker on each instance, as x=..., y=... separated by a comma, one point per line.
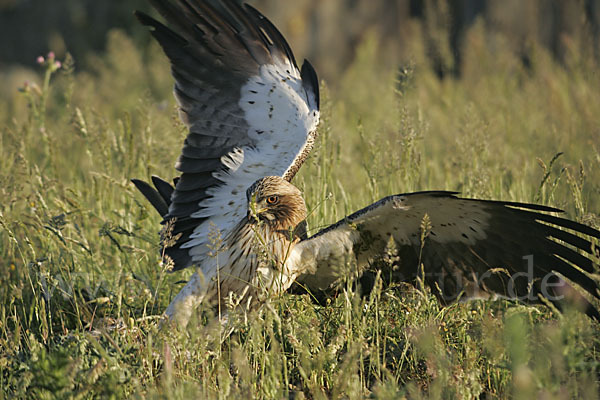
x=81, y=286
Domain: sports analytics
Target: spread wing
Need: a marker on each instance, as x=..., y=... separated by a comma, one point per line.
x=249, y=109
x=511, y=249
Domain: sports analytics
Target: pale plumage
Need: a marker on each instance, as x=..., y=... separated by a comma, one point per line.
x=252, y=118
x=248, y=264
x=249, y=109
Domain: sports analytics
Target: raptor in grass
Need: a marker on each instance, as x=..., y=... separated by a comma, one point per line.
x=233, y=214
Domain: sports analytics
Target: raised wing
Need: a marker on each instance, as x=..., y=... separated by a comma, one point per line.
x=475, y=246
x=250, y=111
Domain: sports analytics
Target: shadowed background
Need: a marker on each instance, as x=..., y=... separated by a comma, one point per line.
x=326, y=32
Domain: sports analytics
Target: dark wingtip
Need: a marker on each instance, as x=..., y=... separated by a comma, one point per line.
x=310, y=79
x=144, y=18
x=271, y=30
x=164, y=188
x=152, y=195
x=138, y=183
x=592, y=312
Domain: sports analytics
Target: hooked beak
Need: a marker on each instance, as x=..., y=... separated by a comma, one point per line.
x=253, y=214
x=255, y=211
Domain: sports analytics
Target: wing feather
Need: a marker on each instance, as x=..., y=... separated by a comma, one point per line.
x=153, y=195
x=249, y=109
x=512, y=249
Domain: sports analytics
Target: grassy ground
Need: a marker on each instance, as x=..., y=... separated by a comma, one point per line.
x=81, y=288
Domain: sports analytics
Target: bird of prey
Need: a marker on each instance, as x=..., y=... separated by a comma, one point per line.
x=233, y=214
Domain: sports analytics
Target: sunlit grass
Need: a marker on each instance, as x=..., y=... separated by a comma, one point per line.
x=81, y=286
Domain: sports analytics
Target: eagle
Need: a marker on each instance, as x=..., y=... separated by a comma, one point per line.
x=234, y=215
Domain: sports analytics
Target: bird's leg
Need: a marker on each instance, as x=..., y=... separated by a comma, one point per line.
x=187, y=300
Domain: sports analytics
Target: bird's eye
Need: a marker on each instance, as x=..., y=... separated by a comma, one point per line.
x=272, y=200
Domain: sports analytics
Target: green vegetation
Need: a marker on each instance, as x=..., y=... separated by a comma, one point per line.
x=81, y=287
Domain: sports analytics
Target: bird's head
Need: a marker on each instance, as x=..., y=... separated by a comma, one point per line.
x=277, y=202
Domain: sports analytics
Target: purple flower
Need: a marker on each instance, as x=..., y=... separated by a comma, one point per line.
x=40, y=60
